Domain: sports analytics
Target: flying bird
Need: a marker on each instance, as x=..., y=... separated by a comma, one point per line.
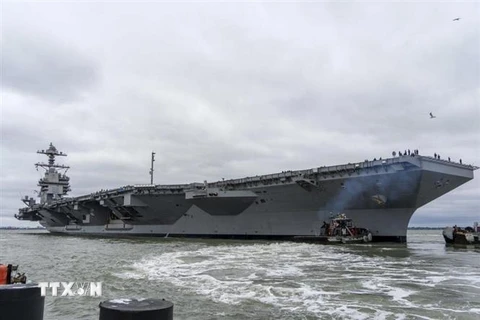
x=432, y=116
x=456, y=19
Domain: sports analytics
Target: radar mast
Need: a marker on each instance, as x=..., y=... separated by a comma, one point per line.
x=55, y=184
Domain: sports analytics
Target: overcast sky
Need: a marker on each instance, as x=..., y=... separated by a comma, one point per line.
x=222, y=90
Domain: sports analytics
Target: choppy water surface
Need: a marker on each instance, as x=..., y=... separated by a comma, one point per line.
x=213, y=279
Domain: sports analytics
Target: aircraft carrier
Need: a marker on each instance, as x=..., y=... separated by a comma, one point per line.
x=380, y=195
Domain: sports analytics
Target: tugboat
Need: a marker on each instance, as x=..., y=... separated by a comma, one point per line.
x=339, y=230
x=457, y=236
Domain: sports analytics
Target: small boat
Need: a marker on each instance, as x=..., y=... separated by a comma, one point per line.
x=462, y=237
x=340, y=229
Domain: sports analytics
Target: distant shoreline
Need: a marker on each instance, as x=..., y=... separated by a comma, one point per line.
x=22, y=228
x=42, y=228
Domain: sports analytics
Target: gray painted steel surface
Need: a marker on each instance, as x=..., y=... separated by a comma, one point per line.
x=380, y=195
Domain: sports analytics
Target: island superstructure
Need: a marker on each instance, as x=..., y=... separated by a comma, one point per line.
x=380, y=195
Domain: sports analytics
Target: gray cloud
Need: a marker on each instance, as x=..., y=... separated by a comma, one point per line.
x=34, y=64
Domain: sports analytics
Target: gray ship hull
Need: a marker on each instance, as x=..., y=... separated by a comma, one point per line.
x=379, y=195
x=385, y=225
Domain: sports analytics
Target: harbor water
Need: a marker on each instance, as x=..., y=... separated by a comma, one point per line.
x=230, y=279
